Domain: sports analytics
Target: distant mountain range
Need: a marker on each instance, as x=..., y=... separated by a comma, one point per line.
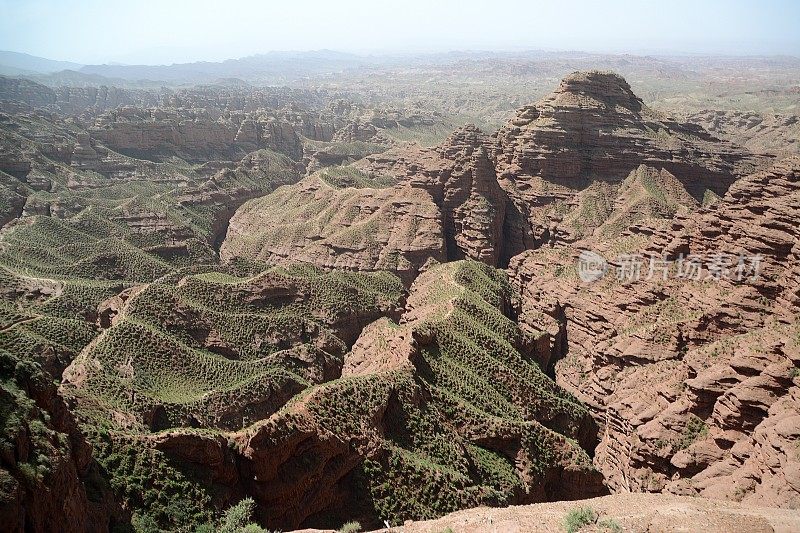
x=272, y=67
x=288, y=67
x=16, y=64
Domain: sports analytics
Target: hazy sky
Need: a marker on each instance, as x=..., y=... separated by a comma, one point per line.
x=165, y=31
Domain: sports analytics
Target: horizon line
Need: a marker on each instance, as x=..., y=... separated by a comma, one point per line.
x=399, y=52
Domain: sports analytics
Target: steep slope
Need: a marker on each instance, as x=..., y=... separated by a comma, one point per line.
x=48, y=478
x=593, y=130
x=215, y=350
x=606, y=210
x=315, y=221
x=589, y=157
x=435, y=204
x=718, y=413
x=444, y=410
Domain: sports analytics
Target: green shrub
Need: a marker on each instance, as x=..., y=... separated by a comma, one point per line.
x=29, y=473
x=350, y=527
x=695, y=429
x=610, y=524
x=237, y=518
x=578, y=518
x=144, y=523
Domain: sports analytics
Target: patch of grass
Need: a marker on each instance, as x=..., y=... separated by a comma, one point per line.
x=579, y=518
x=350, y=527
x=695, y=429
x=610, y=524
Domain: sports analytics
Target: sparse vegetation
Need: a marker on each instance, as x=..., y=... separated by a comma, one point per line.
x=347, y=176
x=138, y=316
x=579, y=518
x=350, y=527
x=610, y=524
x=695, y=429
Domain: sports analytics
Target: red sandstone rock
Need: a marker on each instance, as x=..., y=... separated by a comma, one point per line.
x=690, y=379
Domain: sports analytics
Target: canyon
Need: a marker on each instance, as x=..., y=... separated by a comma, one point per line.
x=341, y=308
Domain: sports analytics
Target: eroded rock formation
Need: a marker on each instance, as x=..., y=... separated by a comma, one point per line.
x=590, y=157
x=694, y=382
x=355, y=447
x=446, y=204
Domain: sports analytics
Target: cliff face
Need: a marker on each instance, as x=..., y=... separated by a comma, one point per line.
x=48, y=478
x=460, y=177
x=589, y=158
x=694, y=383
x=194, y=135
x=435, y=204
x=594, y=132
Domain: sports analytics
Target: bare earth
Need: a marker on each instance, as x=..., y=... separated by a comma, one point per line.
x=633, y=512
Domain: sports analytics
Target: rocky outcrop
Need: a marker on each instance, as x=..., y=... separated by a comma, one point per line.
x=446, y=204
x=356, y=131
x=461, y=178
x=195, y=135
x=281, y=137
x=594, y=130
x=477, y=221
x=84, y=154
x=692, y=380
